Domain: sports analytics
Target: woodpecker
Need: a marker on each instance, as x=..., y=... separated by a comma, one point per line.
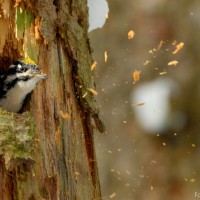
x=17, y=82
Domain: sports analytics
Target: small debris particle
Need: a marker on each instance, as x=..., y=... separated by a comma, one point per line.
x=136, y=75
x=164, y=144
x=131, y=34
x=163, y=73
x=153, y=162
x=151, y=51
x=146, y=62
x=193, y=145
x=105, y=56
x=174, y=42
x=94, y=92
x=65, y=115
x=112, y=195
x=151, y=188
x=138, y=104
x=94, y=65
x=84, y=95
x=178, y=47
x=77, y=173
x=192, y=180
x=119, y=150
x=160, y=45
x=128, y=172
x=173, y=63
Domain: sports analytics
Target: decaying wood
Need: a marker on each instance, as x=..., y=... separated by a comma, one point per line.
x=62, y=163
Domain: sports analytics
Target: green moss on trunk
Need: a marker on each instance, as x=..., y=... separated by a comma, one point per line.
x=16, y=137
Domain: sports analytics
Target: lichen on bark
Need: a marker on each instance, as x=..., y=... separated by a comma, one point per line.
x=16, y=138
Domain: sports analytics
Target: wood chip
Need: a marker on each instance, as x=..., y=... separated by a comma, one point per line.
x=94, y=92
x=112, y=195
x=146, y=62
x=178, y=47
x=136, y=75
x=105, y=56
x=131, y=34
x=65, y=115
x=163, y=73
x=174, y=42
x=193, y=145
x=192, y=180
x=151, y=51
x=160, y=45
x=173, y=63
x=138, y=104
x=94, y=65
x=84, y=95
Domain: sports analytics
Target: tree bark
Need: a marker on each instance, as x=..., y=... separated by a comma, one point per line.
x=57, y=161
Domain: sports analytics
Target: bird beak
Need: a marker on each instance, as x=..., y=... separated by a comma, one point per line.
x=37, y=72
x=41, y=76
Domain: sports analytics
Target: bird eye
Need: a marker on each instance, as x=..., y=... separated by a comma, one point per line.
x=19, y=68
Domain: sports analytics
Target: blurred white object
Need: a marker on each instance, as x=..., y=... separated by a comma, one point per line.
x=156, y=115
x=98, y=9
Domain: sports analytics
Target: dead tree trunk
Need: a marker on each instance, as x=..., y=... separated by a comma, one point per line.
x=48, y=152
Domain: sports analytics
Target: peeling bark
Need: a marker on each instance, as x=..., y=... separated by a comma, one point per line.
x=54, y=34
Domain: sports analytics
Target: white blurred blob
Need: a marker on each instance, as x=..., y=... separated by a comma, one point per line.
x=98, y=9
x=156, y=115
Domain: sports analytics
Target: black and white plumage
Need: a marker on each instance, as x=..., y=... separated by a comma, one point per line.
x=17, y=82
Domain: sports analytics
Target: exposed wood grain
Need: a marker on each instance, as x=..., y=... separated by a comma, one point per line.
x=65, y=163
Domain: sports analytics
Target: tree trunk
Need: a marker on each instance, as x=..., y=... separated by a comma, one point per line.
x=55, y=158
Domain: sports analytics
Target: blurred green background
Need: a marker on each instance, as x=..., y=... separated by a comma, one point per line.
x=136, y=162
